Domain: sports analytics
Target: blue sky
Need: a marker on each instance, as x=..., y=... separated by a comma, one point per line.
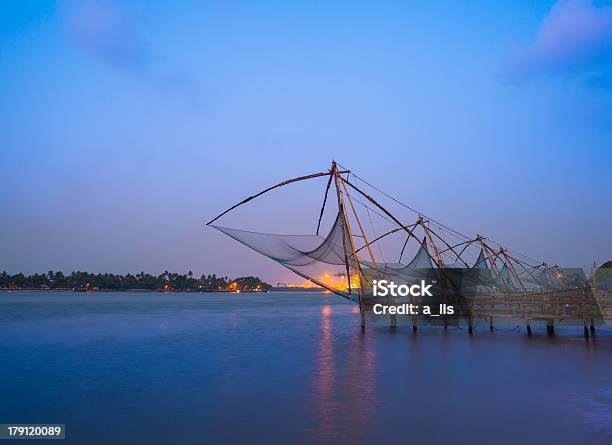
x=125, y=125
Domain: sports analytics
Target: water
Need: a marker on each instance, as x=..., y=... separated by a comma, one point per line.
x=157, y=368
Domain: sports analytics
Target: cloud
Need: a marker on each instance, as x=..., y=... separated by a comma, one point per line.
x=574, y=40
x=102, y=29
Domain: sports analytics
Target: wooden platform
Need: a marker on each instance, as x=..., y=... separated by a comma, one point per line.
x=583, y=305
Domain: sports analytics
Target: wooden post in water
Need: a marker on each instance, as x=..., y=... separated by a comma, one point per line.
x=523, y=309
x=491, y=323
x=586, y=328
x=592, y=326
x=392, y=317
x=550, y=326
x=414, y=323
x=470, y=326
x=393, y=323
x=362, y=313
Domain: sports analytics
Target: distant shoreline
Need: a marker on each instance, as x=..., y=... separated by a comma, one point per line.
x=298, y=289
x=78, y=281
x=79, y=291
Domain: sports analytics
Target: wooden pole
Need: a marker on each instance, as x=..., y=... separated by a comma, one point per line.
x=341, y=211
x=513, y=270
x=342, y=207
x=488, y=253
x=524, y=268
x=391, y=300
x=280, y=184
x=386, y=212
x=468, y=244
x=324, y=202
x=452, y=248
x=550, y=326
x=359, y=224
x=397, y=229
x=436, y=251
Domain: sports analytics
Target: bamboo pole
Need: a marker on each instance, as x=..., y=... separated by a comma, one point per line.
x=334, y=169
x=342, y=206
x=280, y=184
x=324, y=202
x=397, y=229
x=385, y=211
x=487, y=250
x=391, y=300
x=405, y=244
x=448, y=246
x=456, y=245
x=521, y=264
x=469, y=243
x=436, y=251
x=359, y=224
x=512, y=269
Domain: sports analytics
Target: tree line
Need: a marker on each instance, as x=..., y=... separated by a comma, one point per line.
x=109, y=281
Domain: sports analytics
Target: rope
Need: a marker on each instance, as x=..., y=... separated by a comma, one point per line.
x=375, y=236
x=439, y=224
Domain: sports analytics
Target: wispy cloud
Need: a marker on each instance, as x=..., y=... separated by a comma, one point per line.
x=574, y=40
x=103, y=30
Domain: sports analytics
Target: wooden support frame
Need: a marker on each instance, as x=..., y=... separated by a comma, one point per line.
x=512, y=269
x=334, y=172
x=331, y=177
x=449, y=247
x=390, y=232
x=534, y=305
x=430, y=241
x=365, y=238
x=488, y=253
x=342, y=209
x=280, y=184
x=385, y=211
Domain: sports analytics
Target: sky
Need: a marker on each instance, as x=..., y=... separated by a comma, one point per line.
x=125, y=126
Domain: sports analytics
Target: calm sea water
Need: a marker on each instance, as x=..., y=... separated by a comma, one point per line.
x=288, y=368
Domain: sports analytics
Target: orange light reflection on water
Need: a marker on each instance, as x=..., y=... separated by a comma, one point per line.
x=356, y=382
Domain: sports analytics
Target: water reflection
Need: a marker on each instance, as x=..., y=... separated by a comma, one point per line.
x=338, y=421
x=361, y=386
x=325, y=378
x=291, y=369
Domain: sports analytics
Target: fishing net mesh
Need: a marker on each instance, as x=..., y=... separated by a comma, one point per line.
x=343, y=264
